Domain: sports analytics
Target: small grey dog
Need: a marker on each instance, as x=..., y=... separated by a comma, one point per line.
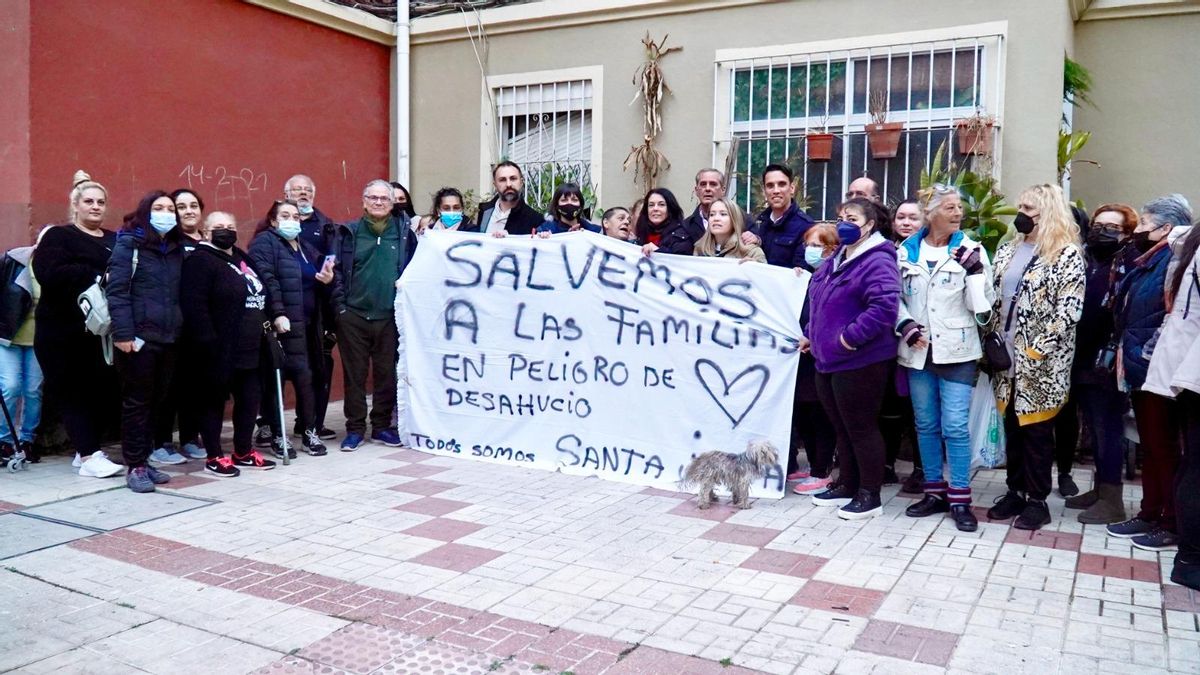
x=732, y=471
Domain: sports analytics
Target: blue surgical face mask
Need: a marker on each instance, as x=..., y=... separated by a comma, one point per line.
x=305, y=209
x=289, y=229
x=450, y=218
x=814, y=256
x=162, y=221
x=848, y=233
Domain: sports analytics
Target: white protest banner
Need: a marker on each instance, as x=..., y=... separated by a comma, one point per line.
x=577, y=353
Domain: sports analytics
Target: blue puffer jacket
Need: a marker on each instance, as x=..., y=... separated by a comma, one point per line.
x=144, y=303
x=1140, y=310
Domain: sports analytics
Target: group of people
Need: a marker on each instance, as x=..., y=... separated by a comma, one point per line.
x=1074, y=320
x=195, y=321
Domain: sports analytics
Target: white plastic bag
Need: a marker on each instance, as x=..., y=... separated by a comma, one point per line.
x=987, y=427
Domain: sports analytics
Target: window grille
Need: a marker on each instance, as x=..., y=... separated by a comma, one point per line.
x=546, y=129
x=774, y=102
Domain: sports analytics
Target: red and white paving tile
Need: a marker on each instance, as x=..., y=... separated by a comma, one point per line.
x=386, y=561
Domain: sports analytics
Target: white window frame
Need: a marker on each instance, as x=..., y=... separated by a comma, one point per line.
x=488, y=137
x=992, y=36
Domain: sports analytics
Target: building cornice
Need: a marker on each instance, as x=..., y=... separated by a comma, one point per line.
x=556, y=14
x=1100, y=10
x=337, y=17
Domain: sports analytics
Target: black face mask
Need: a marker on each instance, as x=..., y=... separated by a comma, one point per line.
x=1024, y=223
x=569, y=211
x=1102, y=245
x=223, y=239
x=1142, y=242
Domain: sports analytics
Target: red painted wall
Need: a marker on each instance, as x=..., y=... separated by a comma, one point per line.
x=14, y=123
x=219, y=95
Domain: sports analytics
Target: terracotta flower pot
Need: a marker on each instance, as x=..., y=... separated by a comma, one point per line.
x=820, y=147
x=974, y=137
x=884, y=139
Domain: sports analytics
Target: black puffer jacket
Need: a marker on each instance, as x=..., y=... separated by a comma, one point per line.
x=144, y=302
x=275, y=261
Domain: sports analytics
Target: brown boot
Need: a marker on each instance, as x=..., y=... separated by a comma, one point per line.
x=1085, y=500
x=1109, y=508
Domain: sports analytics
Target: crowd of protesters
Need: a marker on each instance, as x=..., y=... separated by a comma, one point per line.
x=1076, y=321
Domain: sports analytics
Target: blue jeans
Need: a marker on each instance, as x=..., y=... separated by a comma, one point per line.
x=943, y=411
x=21, y=382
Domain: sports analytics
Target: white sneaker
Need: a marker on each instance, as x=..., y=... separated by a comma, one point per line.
x=99, y=466
x=77, y=462
x=166, y=455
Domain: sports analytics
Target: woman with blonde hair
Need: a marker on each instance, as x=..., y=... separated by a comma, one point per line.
x=723, y=236
x=1039, y=279
x=69, y=259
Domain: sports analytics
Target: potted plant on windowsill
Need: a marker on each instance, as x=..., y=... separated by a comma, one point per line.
x=883, y=137
x=975, y=134
x=819, y=145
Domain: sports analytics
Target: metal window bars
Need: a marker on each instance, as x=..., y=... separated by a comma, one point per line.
x=546, y=129
x=775, y=102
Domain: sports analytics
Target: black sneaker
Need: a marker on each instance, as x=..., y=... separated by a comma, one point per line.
x=326, y=434
x=313, y=444
x=929, y=506
x=1008, y=506
x=889, y=475
x=6, y=451
x=836, y=495
x=865, y=504
x=253, y=461
x=222, y=466
x=1067, y=486
x=1158, y=539
x=263, y=437
x=1035, y=515
x=277, y=448
x=964, y=517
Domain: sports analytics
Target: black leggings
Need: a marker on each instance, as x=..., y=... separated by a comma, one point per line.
x=852, y=399
x=296, y=370
x=245, y=388
x=812, y=429
x=145, y=376
x=89, y=413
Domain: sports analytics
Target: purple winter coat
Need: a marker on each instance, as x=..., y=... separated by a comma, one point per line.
x=860, y=303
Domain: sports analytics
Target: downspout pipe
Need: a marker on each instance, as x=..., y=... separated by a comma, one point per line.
x=400, y=97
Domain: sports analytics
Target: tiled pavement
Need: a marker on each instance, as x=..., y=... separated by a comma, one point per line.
x=393, y=561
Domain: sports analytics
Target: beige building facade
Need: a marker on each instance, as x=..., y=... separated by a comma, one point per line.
x=550, y=84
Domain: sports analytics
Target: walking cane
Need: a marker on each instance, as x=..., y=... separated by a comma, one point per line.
x=277, y=357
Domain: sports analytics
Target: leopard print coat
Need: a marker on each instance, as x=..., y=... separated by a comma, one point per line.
x=1048, y=309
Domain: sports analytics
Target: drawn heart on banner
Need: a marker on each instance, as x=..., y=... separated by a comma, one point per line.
x=735, y=404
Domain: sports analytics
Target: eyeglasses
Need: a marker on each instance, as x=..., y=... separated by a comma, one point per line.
x=377, y=200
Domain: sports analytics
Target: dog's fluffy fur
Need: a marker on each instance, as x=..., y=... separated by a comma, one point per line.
x=735, y=472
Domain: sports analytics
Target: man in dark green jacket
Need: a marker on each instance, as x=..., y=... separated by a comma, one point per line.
x=371, y=255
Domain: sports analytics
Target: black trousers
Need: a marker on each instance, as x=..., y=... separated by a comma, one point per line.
x=145, y=377
x=1066, y=432
x=896, y=420
x=84, y=388
x=368, y=345
x=246, y=388
x=1031, y=453
x=852, y=400
x=295, y=371
x=1187, y=488
x=812, y=429
x=320, y=362
x=182, y=403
